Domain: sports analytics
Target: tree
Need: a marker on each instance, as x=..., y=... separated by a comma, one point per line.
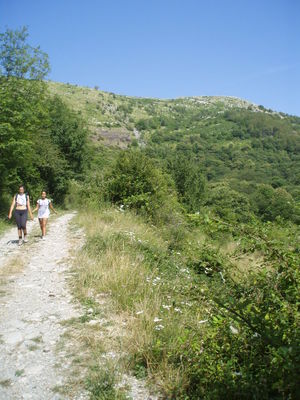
x=69, y=134
x=19, y=59
x=22, y=118
x=189, y=180
x=42, y=141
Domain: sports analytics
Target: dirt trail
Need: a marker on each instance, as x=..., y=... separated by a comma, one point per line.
x=35, y=302
x=9, y=241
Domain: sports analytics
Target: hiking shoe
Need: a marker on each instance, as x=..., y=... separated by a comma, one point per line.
x=43, y=237
x=20, y=242
x=25, y=240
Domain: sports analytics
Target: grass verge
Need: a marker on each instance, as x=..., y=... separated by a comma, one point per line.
x=152, y=298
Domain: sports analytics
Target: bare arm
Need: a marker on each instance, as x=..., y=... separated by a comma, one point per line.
x=52, y=208
x=29, y=208
x=36, y=207
x=11, y=207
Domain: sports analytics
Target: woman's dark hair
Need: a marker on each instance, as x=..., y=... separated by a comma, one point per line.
x=44, y=191
x=21, y=186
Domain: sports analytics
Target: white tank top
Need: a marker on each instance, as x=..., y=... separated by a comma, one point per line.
x=21, y=200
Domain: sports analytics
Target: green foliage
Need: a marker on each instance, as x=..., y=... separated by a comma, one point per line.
x=31, y=151
x=19, y=59
x=271, y=203
x=69, y=133
x=101, y=385
x=189, y=180
x=227, y=333
x=251, y=349
x=228, y=203
x=21, y=118
x=136, y=182
x=220, y=139
x=42, y=142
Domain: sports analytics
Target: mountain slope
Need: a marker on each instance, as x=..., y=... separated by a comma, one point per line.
x=105, y=109
x=232, y=139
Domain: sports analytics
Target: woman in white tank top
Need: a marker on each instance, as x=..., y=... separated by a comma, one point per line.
x=21, y=202
x=43, y=206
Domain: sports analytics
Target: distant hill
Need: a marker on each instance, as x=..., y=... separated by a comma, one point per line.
x=231, y=138
x=109, y=110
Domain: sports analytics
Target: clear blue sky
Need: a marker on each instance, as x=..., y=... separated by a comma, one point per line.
x=170, y=48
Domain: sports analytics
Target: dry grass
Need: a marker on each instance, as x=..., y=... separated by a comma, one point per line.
x=140, y=305
x=14, y=266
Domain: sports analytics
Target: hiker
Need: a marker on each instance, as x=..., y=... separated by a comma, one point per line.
x=22, y=202
x=43, y=205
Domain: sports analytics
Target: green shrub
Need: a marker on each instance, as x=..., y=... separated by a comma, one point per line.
x=227, y=203
x=271, y=203
x=137, y=183
x=251, y=345
x=189, y=180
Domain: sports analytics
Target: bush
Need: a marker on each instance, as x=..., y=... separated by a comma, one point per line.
x=271, y=203
x=189, y=180
x=137, y=183
x=250, y=346
x=227, y=203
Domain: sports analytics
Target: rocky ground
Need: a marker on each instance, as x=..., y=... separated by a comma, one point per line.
x=35, y=300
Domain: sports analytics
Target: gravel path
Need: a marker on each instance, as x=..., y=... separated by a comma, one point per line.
x=9, y=242
x=34, y=303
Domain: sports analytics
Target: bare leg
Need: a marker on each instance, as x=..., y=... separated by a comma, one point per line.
x=44, y=226
x=24, y=232
x=41, y=224
x=20, y=233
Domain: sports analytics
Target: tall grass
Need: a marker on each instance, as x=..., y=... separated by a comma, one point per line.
x=130, y=261
x=191, y=302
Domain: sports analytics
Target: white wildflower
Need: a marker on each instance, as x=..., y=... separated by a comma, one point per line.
x=234, y=330
x=222, y=277
x=203, y=321
x=155, y=280
x=156, y=319
x=159, y=327
x=139, y=312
